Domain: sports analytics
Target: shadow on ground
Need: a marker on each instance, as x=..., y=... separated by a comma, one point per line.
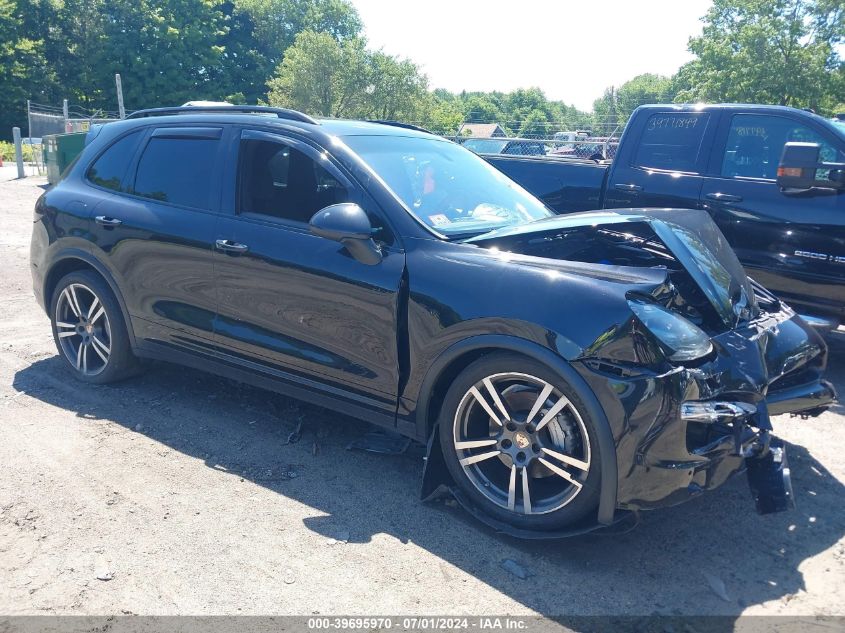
x=242, y=430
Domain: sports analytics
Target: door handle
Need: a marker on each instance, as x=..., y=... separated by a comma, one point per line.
x=104, y=220
x=723, y=197
x=231, y=247
x=627, y=187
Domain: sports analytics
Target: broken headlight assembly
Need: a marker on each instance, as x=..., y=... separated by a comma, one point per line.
x=681, y=340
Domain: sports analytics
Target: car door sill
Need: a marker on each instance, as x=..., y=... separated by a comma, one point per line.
x=241, y=370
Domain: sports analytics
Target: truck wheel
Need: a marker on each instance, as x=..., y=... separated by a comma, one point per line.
x=520, y=444
x=89, y=329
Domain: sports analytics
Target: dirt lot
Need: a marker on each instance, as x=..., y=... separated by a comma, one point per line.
x=175, y=493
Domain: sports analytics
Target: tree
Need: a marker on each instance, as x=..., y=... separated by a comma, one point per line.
x=321, y=76
x=605, y=113
x=640, y=90
x=77, y=50
x=165, y=50
x=442, y=114
x=260, y=31
x=397, y=90
x=24, y=70
x=482, y=108
x=535, y=124
x=327, y=77
x=767, y=51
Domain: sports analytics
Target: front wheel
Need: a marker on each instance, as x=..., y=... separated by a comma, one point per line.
x=520, y=444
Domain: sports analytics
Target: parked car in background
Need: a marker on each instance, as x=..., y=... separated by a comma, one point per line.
x=730, y=161
x=563, y=371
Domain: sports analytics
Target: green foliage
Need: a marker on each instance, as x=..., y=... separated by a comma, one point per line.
x=523, y=112
x=308, y=54
x=606, y=120
x=443, y=114
x=7, y=152
x=327, y=77
x=768, y=51
x=260, y=31
x=641, y=90
x=24, y=71
x=613, y=109
x=167, y=51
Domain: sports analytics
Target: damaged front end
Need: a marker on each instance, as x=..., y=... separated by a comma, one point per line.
x=690, y=379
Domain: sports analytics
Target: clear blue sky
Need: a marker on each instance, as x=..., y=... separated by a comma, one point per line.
x=571, y=49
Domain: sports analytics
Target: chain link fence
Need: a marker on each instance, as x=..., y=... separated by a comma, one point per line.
x=590, y=148
x=44, y=120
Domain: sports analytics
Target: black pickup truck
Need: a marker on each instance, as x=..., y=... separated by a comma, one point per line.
x=772, y=177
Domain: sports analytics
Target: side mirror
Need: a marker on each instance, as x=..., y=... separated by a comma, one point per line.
x=799, y=166
x=348, y=224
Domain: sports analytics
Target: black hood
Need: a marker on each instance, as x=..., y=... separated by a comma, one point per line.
x=688, y=236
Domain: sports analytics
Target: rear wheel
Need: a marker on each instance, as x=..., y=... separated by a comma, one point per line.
x=519, y=442
x=89, y=329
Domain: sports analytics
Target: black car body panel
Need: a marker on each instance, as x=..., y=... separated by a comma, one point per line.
x=298, y=313
x=792, y=242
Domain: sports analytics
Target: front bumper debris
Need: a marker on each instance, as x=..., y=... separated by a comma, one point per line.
x=685, y=429
x=770, y=480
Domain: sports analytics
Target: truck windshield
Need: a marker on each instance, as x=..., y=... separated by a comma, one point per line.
x=445, y=186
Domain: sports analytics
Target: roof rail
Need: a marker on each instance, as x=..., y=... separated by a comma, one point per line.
x=282, y=113
x=407, y=126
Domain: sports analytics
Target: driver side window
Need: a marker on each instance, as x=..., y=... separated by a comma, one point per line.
x=755, y=144
x=279, y=181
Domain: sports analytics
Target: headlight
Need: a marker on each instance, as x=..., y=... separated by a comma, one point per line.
x=681, y=340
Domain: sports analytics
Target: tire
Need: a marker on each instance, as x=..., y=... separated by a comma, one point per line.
x=89, y=329
x=497, y=449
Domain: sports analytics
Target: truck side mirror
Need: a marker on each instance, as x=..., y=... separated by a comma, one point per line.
x=799, y=166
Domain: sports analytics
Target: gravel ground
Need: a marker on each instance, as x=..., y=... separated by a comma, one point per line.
x=176, y=493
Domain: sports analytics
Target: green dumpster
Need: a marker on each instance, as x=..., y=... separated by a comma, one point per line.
x=59, y=152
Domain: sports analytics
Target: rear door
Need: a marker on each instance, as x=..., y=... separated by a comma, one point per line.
x=792, y=243
x=293, y=303
x=665, y=162
x=156, y=230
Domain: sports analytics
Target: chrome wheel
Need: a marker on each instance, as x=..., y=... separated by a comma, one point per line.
x=521, y=443
x=83, y=329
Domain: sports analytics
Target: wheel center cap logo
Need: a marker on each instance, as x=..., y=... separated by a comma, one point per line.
x=520, y=440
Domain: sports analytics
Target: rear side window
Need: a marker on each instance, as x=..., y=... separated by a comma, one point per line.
x=110, y=168
x=177, y=171
x=672, y=141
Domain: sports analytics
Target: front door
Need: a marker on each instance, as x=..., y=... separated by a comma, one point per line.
x=792, y=243
x=290, y=301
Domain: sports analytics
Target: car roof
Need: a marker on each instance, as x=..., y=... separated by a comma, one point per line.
x=273, y=117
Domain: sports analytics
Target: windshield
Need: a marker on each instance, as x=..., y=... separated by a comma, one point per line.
x=447, y=187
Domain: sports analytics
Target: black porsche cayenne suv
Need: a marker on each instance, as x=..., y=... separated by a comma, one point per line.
x=563, y=371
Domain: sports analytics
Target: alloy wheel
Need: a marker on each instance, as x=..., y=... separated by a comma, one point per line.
x=522, y=443
x=83, y=329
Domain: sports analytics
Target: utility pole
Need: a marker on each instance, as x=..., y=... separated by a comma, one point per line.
x=120, y=108
x=65, y=113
